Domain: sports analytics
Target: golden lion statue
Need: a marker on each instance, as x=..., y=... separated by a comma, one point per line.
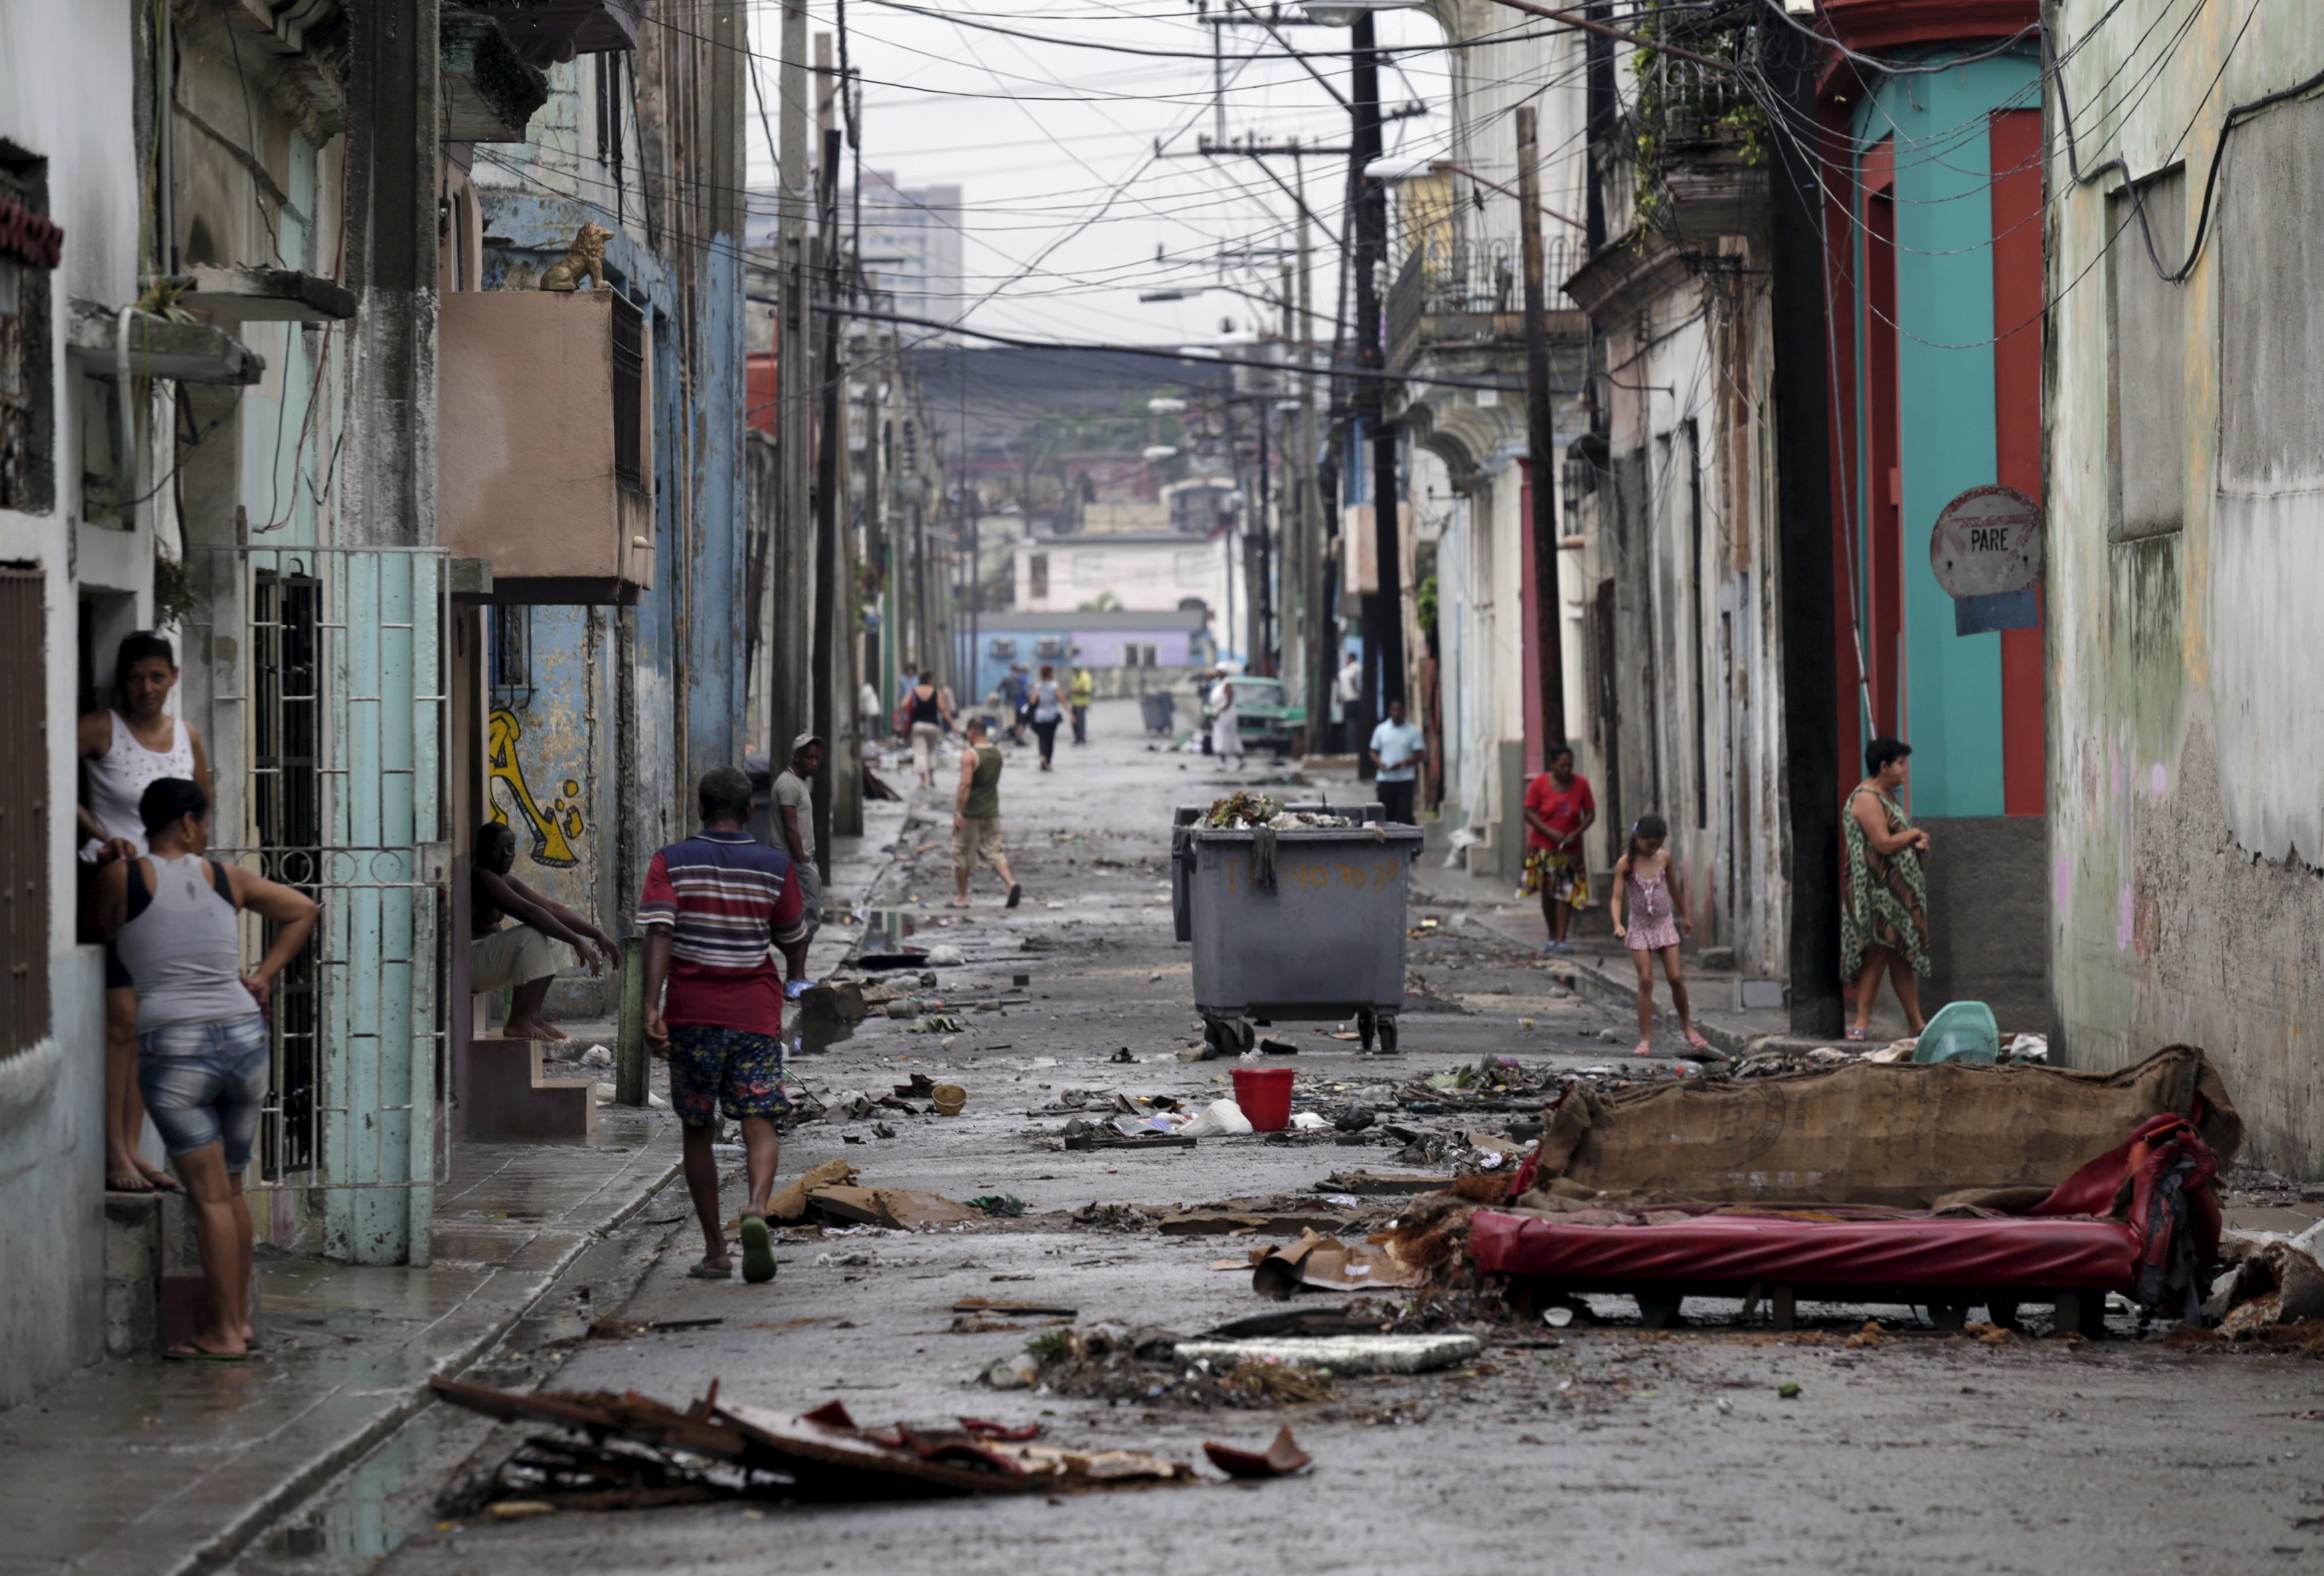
x=585, y=259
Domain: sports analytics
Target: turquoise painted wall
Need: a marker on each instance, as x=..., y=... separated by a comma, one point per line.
x=1945, y=405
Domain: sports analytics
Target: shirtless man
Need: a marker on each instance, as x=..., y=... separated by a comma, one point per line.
x=528, y=955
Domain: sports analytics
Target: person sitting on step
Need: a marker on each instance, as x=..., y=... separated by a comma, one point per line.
x=529, y=954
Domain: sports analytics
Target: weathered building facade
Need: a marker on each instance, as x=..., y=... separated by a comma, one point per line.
x=2187, y=493
x=1454, y=327
x=1932, y=221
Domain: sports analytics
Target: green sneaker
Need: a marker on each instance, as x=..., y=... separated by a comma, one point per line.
x=757, y=1251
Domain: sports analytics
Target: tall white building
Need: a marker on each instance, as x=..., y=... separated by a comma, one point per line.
x=911, y=242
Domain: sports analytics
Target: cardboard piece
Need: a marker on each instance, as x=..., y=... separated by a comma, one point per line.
x=790, y=1203
x=1315, y=1263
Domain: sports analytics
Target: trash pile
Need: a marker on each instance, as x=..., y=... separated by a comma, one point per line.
x=1244, y=811
x=2024, y=1050
x=629, y=1451
x=1271, y=1359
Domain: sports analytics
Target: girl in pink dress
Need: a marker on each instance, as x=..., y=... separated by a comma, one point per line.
x=1649, y=917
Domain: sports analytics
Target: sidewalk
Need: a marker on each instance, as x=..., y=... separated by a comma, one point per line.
x=141, y=1466
x=144, y=1467
x=1601, y=965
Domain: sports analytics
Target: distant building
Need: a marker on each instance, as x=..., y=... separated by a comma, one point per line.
x=1146, y=570
x=911, y=242
x=1126, y=653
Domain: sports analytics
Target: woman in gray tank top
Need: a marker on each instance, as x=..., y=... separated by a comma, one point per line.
x=203, y=1052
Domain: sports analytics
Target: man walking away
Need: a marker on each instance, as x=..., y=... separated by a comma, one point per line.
x=714, y=907
x=976, y=817
x=793, y=804
x=1078, y=695
x=529, y=954
x=1396, y=752
x=1226, y=728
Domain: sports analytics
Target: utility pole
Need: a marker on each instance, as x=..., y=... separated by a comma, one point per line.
x=830, y=637
x=1541, y=432
x=1384, y=608
x=787, y=640
x=1812, y=763
x=1315, y=597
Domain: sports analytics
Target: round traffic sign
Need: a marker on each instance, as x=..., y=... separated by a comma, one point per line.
x=1987, y=541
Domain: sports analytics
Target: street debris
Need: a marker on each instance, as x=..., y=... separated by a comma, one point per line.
x=1280, y=1459
x=1339, y=1354
x=1117, y=1362
x=2275, y=1285
x=1319, y=1263
x=632, y=1451
x=1904, y=1135
x=1001, y=1205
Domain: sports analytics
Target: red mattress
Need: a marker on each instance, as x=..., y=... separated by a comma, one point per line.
x=2008, y=1252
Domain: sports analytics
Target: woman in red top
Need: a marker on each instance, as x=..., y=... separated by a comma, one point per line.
x=1558, y=809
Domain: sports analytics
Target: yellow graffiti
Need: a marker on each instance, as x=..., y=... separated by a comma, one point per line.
x=554, y=830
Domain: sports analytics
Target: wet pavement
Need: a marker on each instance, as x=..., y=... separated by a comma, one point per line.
x=1668, y=1450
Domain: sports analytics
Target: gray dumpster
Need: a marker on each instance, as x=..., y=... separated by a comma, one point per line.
x=1323, y=940
x=1157, y=708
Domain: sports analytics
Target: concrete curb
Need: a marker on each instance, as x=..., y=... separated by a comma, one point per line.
x=229, y=1541
x=1590, y=975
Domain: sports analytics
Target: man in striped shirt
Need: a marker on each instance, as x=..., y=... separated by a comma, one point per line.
x=716, y=906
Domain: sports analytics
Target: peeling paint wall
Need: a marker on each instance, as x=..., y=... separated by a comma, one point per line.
x=2187, y=743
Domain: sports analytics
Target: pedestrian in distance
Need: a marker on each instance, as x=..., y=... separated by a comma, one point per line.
x=1558, y=809
x=792, y=802
x=715, y=908
x=1347, y=690
x=124, y=750
x=546, y=939
x=1649, y=917
x=909, y=680
x=1226, y=727
x=1017, y=695
x=976, y=817
x=1396, y=746
x=1884, y=909
x=204, y=1055
x=1048, y=711
x=1079, y=694
x=928, y=715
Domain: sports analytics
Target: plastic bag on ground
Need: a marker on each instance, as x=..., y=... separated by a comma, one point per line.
x=1221, y=1119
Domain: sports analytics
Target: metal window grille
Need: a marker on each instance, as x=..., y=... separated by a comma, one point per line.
x=339, y=713
x=510, y=657
x=24, y=815
x=629, y=395
x=287, y=812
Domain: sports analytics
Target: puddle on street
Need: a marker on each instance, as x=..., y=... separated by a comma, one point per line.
x=373, y=1509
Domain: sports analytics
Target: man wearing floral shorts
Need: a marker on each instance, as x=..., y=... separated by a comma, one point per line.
x=716, y=906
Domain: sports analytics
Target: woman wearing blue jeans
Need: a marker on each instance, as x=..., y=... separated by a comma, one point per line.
x=203, y=1052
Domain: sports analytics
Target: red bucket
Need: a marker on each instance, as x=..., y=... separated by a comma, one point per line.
x=1265, y=1095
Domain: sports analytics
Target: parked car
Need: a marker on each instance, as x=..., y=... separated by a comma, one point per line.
x=1264, y=716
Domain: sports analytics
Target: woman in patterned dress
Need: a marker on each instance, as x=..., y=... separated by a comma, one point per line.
x=1884, y=911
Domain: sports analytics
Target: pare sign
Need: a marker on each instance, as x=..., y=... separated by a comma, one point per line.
x=1987, y=541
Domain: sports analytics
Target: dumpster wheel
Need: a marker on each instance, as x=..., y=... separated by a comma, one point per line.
x=1226, y=1036
x=1376, y=1026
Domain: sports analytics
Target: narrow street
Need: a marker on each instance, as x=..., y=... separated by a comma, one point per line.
x=1665, y=1452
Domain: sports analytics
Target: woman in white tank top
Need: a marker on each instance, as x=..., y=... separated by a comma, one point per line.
x=123, y=752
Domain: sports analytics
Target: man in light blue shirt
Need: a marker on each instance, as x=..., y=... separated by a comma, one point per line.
x=1396, y=752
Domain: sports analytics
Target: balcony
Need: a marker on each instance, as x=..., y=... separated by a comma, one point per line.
x=550, y=30
x=1471, y=294
x=545, y=443
x=1689, y=160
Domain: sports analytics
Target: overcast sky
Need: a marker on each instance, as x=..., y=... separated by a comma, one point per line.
x=1053, y=147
